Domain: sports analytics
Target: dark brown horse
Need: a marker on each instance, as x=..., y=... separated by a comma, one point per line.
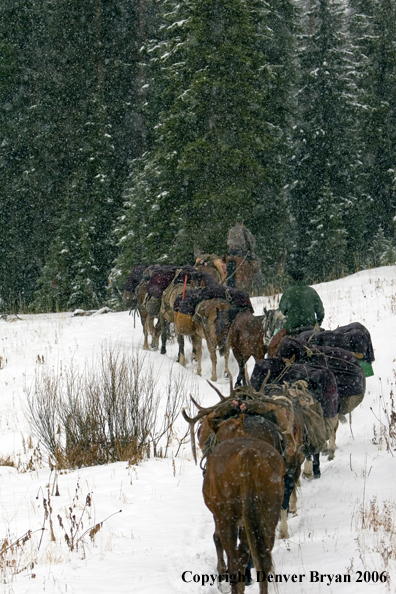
x=243, y=488
x=246, y=339
x=268, y=418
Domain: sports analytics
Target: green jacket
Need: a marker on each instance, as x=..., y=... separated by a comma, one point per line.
x=302, y=306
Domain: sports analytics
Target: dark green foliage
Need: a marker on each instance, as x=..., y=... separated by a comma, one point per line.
x=137, y=132
x=327, y=164
x=221, y=133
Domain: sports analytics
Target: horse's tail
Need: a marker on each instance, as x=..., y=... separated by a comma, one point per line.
x=256, y=507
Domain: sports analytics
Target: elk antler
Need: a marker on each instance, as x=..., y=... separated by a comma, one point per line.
x=216, y=390
x=202, y=413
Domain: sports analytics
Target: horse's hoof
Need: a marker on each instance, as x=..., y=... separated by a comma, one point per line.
x=224, y=587
x=317, y=474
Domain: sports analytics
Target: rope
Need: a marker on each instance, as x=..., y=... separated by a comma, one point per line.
x=314, y=351
x=236, y=269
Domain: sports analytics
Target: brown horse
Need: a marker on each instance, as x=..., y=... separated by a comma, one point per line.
x=240, y=273
x=213, y=265
x=243, y=488
x=204, y=325
x=150, y=326
x=272, y=419
x=246, y=339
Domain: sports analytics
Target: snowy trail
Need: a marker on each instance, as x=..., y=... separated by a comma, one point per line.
x=164, y=528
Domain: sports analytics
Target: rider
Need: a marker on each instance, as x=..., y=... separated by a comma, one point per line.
x=301, y=305
x=241, y=243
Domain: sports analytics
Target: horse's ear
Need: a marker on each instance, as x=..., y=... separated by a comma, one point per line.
x=265, y=310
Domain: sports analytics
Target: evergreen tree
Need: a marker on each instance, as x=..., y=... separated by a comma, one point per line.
x=69, y=80
x=326, y=164
x=218, y=142
x=377, y=42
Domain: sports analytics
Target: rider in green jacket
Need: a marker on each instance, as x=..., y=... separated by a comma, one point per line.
x=301, y=305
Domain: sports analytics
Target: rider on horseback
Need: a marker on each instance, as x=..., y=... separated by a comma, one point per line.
x=301, y=305
x=241, y=243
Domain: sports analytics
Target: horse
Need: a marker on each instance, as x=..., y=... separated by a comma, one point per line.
x=203, y=314
x=321, y=384
x=202, y=325
x=134, y=297
x=240, y=273
x=213, y=265
x=133, y=280
x=349, y=375
x=250, y=335
x=243, y=488
x=269, y=418
x=246, y=339
x=186, y=278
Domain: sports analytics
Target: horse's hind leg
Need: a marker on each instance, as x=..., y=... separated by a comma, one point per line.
x=316, y=466
x=197, y=344
x=289, y=487
x=180, y=356
x=221, y=566
x=293, y=500
x=164, y=334
x=308, y=468
x=213, y=358
x=331, y=425
x=146, y=330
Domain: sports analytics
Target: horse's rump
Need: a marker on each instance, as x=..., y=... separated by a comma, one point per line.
x=207, y=310
x=184, y=324
x=243, y=485
x=212, y=265
x=168, y=299
x=153, y=306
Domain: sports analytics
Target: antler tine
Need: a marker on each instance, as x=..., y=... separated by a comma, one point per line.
x=216, y=390
x=191, y=422
x=247, y=376
x=199, y=407
x=261, y=391
x=231, y=384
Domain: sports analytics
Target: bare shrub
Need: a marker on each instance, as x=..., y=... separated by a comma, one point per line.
x=385, y=435
x=107, y=413
x=376, y=539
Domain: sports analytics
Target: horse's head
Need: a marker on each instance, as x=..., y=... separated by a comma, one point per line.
x=272, y=322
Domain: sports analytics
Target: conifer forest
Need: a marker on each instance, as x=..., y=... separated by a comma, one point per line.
x=136, y=131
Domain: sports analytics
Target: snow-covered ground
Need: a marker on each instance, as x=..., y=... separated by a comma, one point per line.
x=164, y=531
